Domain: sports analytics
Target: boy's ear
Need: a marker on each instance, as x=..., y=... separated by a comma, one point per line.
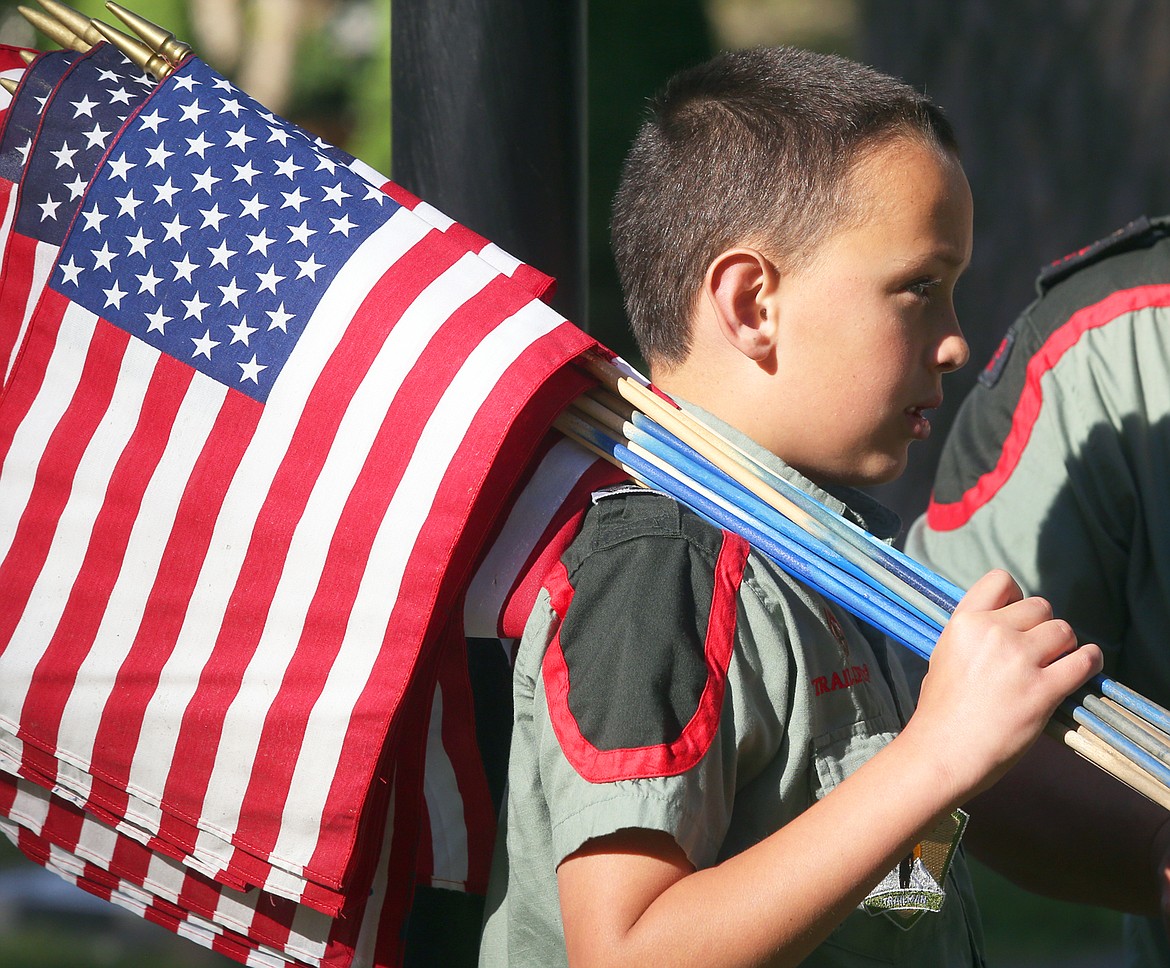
x=740, y=287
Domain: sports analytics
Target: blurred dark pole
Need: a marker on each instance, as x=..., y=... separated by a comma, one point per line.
x=488, y=125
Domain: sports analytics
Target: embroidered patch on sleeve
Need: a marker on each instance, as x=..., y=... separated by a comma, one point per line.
x=916, y=885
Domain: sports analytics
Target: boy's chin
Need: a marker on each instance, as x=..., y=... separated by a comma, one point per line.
x=880, y=469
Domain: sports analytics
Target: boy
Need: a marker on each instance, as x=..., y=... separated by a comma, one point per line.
x=711, y=764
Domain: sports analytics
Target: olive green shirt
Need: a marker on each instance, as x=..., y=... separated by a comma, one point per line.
x=671, y=679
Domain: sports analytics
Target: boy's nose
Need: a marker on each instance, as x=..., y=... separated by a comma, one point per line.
x=953, y=352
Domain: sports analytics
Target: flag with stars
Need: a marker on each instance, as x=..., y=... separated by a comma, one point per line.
x=93, y=97
x=19, y=127
x=12, y=68
x=262, y=422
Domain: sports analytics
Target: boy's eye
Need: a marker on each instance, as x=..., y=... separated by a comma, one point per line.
x=923, y=287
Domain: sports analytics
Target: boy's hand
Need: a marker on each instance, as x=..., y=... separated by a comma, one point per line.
x=1001, y=667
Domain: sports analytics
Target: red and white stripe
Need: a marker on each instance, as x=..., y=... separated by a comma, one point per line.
x=205, y=687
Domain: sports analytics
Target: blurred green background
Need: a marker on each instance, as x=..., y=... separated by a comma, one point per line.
x=1058, y=107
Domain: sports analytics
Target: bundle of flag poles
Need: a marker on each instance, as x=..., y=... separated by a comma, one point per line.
x=663, y=447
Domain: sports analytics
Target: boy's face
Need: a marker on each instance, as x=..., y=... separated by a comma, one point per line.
x=868, y=327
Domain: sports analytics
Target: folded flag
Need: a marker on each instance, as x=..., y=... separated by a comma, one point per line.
x=261, y=424
x=19, y=126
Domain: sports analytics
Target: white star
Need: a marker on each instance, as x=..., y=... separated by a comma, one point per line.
x=119, y=167
x=71, y=270
x=103, y=258
x=239, y=139
x=342, y=225
x=278, y=134
x=195, y=307
x=77, y=187
x=279, y=319
x=300, y=233
x=204, y=345
x=223, y=84
x=175, y=229
x=294, y=199
x=220, y=254
x=128, y=204
x=114, y=296
x=94, y=218
x=106, y=75
x=196, y=146
x=152, y=120
x=158, y=321
x=64, y=155
x=260, y=242
x=374, y=194
x=49, y=208
x=159, y=155
x=84, y=106
x=253, y=206
x=138, y=242
x=24, y=149
x=309, y=267
x=212, y=216
x=186, y=82
x=326, y=164
x=230, y=106
x=251, y=370
x=245, y=172
x=184, y=267
x=288, y=167
x=336, y=194
x=231, y=294
x=148, y=282
x=97, y=137
x=205, y=181
x=119, y=96
x=166, y=192
x=269, y=279
x=192, y=111
x=241, y=331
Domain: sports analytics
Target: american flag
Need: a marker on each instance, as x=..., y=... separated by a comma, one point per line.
x=21, y=119
x=263, y=421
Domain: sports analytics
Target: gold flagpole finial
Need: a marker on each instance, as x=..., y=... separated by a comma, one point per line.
x=9, y=84
x=28, y=56
x=54, y=30
x=141, y=55
x=72, y=20
x=163, y=41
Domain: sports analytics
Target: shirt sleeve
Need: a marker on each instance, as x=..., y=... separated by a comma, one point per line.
x=629, y=703
x=1044, y=473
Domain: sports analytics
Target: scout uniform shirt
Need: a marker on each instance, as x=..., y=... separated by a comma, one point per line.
x=1058, y=467
x=672, y=679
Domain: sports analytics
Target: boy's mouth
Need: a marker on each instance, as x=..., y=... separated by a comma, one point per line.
x=919, y=420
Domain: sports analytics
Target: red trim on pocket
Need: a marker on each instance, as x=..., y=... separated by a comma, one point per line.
x=670, y=759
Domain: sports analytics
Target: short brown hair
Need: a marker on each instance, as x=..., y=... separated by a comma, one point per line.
x=751, y=147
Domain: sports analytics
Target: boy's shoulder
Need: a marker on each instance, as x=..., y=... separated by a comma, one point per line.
x=645, y=600
x=624, y=516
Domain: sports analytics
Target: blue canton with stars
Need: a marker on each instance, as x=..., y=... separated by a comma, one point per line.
x=24, y=114
x=95, y=97
x=213, y=229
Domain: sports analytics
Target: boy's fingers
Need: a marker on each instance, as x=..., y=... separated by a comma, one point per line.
x=994, y=590
x=1073, y=670
x=1052, y=639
